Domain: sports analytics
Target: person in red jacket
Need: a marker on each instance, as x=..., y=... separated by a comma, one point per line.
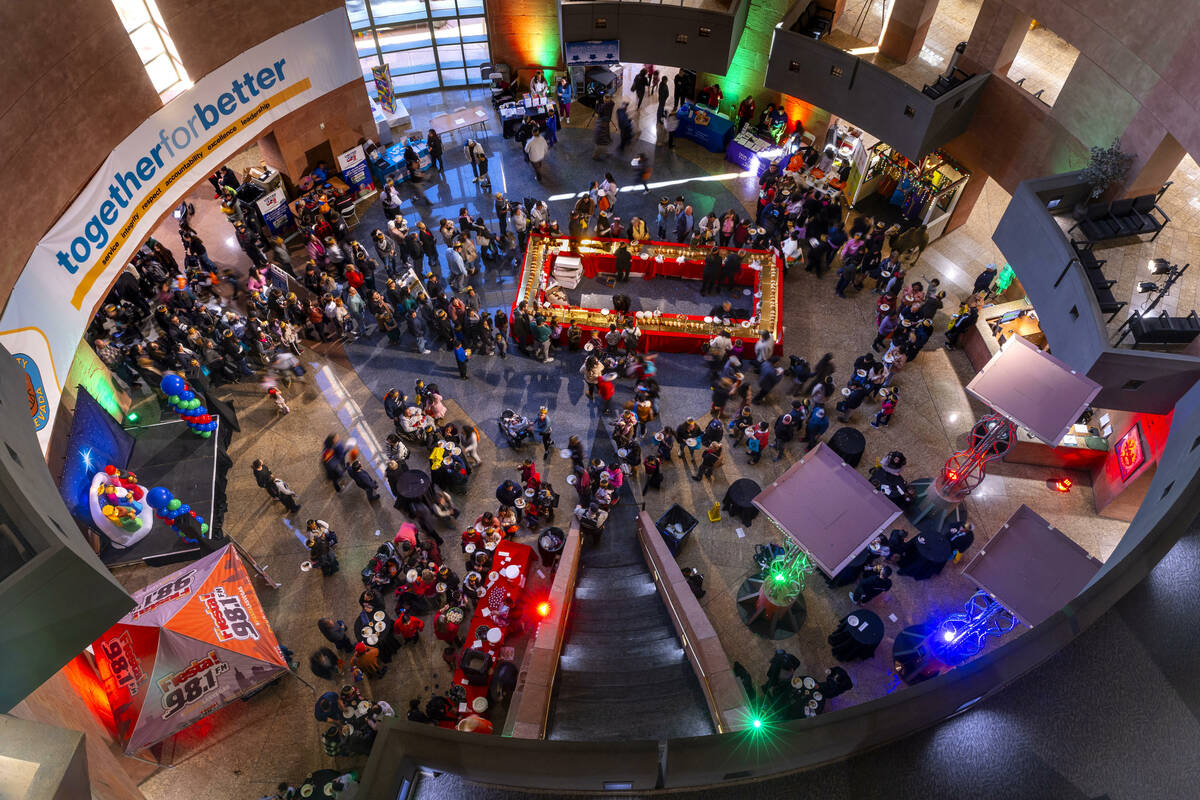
x=606, y=389
x=529, y=475
x=472, y=536
x=445, y=628
x=745, y=112
x=408, y=627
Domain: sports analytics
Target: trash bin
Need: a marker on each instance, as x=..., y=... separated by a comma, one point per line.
x=675, y=525
x=550, y=545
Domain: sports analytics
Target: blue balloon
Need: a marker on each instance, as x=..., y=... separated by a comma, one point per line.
x=183, y=509
x=158, y=497
x=200, y=520
x=187, y=397
x=172, y=384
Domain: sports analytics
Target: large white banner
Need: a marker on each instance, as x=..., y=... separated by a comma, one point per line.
x=147, y=174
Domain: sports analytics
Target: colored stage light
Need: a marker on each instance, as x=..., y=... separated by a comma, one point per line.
x=758, y=723
x=132, y=417
x=543, y=609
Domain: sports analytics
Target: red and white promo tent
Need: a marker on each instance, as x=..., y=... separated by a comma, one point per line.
x=196, y=640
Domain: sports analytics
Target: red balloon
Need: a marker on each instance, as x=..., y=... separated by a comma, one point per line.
x=110, y=470
x=193, y=513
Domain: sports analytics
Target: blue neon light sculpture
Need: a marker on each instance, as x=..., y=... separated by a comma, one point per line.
x=961, y=636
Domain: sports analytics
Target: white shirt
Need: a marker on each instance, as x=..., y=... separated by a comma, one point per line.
x=536, y=148
x=764, y=348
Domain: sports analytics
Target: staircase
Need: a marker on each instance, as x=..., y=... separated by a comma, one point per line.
x=623, y=673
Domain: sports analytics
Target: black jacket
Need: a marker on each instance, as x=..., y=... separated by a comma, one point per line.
x=624, y=260
x=733, y=263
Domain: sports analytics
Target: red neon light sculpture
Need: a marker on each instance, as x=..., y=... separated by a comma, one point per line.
x=990, y=438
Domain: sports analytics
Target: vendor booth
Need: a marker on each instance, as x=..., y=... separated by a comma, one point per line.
x=751, y=151
x=555, y=268
x=705, y=126
x=195, y=641
x=536, y=108
x=886, y=185
x=389, y=162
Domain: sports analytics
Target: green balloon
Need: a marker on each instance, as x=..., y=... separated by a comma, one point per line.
x=193, y=404
x=173, y=399
x=174, y=504
x=206, y=434
x=204, y=528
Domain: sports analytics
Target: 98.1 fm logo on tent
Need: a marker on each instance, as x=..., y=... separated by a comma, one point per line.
x=229, y=616
x=170, y=590
x=191, y=684
x=123, y=661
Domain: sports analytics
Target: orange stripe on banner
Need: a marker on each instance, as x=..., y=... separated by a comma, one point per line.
x=176, y=174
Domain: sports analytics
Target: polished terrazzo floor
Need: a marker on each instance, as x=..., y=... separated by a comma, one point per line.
x=248, y=747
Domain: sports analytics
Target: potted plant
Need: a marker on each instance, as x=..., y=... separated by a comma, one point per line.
x=1106, y=166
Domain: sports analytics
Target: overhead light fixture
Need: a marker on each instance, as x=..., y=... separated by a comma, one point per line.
x=1145, y=287
x=1159, y=266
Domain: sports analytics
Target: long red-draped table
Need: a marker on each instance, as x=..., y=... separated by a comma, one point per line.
x=671, y=333
x=508, y=554
x=648, y=268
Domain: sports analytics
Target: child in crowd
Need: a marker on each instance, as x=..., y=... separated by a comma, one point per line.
x=281, y=406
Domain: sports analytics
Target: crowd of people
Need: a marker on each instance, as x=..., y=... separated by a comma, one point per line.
x=417, y=283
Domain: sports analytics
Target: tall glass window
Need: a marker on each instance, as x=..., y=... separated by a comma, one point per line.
x=154, y=46
x=427, y=43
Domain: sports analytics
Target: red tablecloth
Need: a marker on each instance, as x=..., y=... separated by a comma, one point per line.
x=507, y=554
x=655, y=342
x=647, y=268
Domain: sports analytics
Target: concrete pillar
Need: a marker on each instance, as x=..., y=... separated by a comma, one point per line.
x=907, y=26
x=1156, y=155
x=838, y=6
x=71, y=699
x=995, y=39
x=966, y=201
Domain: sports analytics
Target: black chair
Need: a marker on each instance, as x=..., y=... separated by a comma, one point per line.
x=1164, y=329
x=1145, y=206
x=1095, y=225
x=1098, y=281
x=1127, y=217
x=1087, y=256
x=815, y=21
x=1108, y=304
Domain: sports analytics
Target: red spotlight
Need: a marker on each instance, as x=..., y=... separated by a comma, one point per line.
x=543, y=609
x=1060, y=484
